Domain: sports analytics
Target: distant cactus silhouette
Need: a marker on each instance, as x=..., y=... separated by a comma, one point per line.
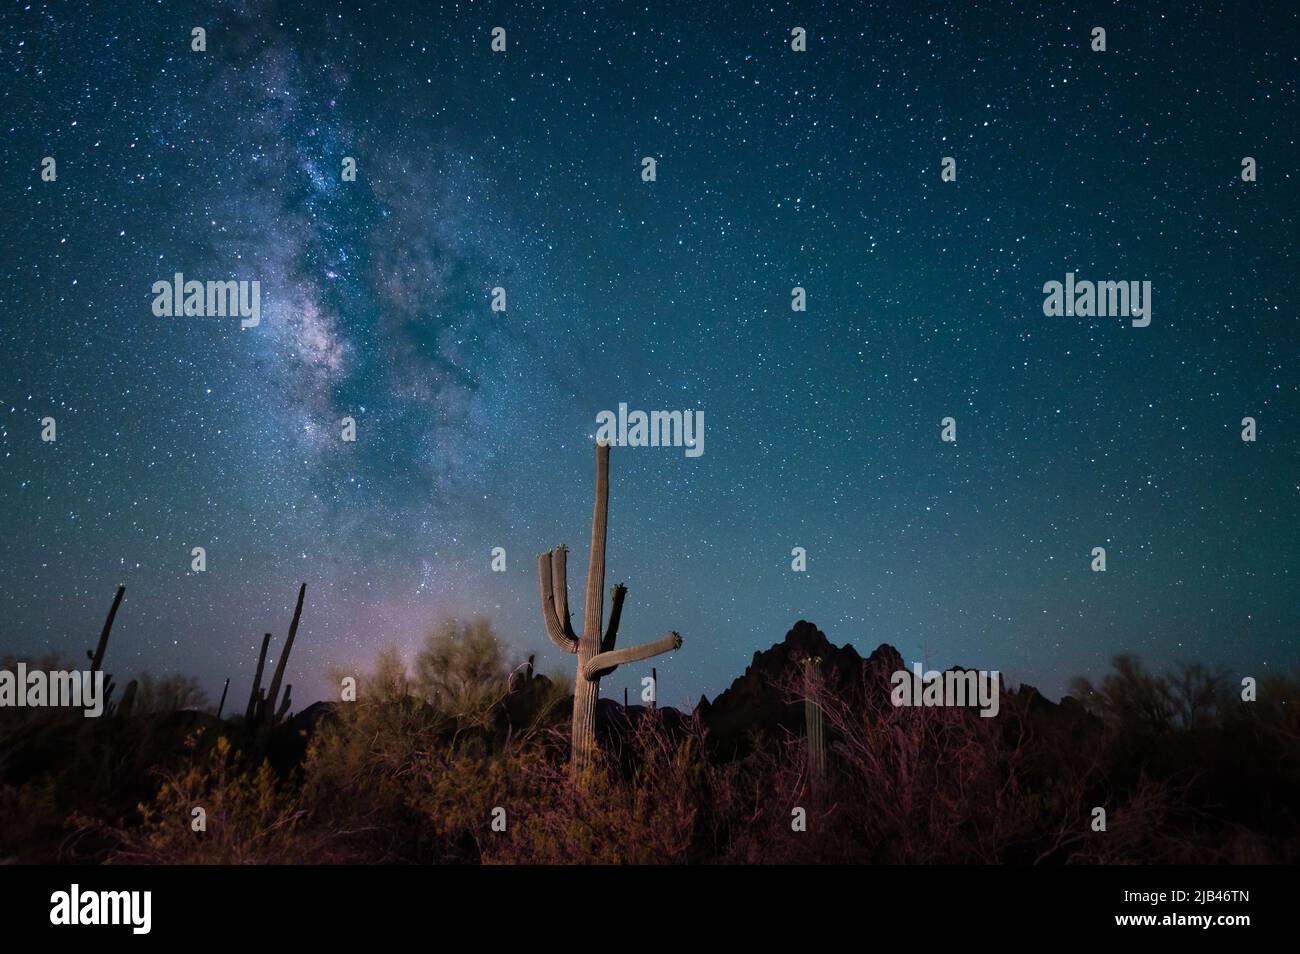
x=277, y=715
x=262, y=711
x=97, y=657
x=255, y=694
x=222, y=704
x=597, y=656
x=283, y=711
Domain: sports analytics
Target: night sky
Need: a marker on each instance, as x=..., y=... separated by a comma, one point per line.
x=775, y=169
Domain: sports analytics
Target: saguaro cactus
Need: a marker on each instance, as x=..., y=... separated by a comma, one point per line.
x=97, y=657
x=255, y=694
x=814, y=729
x=262, y=709
x=278, y=714
x=597, y=656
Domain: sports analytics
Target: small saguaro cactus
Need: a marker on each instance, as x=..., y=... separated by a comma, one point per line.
x=597, y=656
x=813, y=725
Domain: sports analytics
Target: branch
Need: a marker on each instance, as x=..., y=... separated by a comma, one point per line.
x=251, y=712
x=603, y=664
x=562, y=640
x=273, y=693
x=616, y=596
x=560, y=584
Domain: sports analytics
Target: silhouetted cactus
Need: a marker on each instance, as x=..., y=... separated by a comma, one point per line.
x=222, y=704
x=284, y=704
x=274, y=691
x=262, y=710
x=97, y=657
x=597, y=656
x=255, y=694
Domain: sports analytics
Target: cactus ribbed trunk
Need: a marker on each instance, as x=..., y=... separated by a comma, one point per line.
x=597, y=656
x=814, y=729
x=586, y=692
x=585, y=695
x=816, y=743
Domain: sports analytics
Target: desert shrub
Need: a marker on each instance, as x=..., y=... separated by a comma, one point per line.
x=909, y=785
x=1134, y=700
x=645, y=816
x=1275, y=714
x=462, y=667
x=251, y=816
x=15, y=721
x=167, y=694
x=358, y=773
x=31, y=816
x=408, y=772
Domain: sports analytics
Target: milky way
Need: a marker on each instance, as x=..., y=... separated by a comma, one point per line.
x=775, y=169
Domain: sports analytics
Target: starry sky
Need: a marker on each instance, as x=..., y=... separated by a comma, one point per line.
x=775, y=169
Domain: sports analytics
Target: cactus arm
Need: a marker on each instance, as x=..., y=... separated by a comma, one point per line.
x=605, y=663
x=97, y=657
x=274, y=692
x=616, y=597
x=284, y=705
x=255, y=693
x=560, y=582
x=554, y=629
